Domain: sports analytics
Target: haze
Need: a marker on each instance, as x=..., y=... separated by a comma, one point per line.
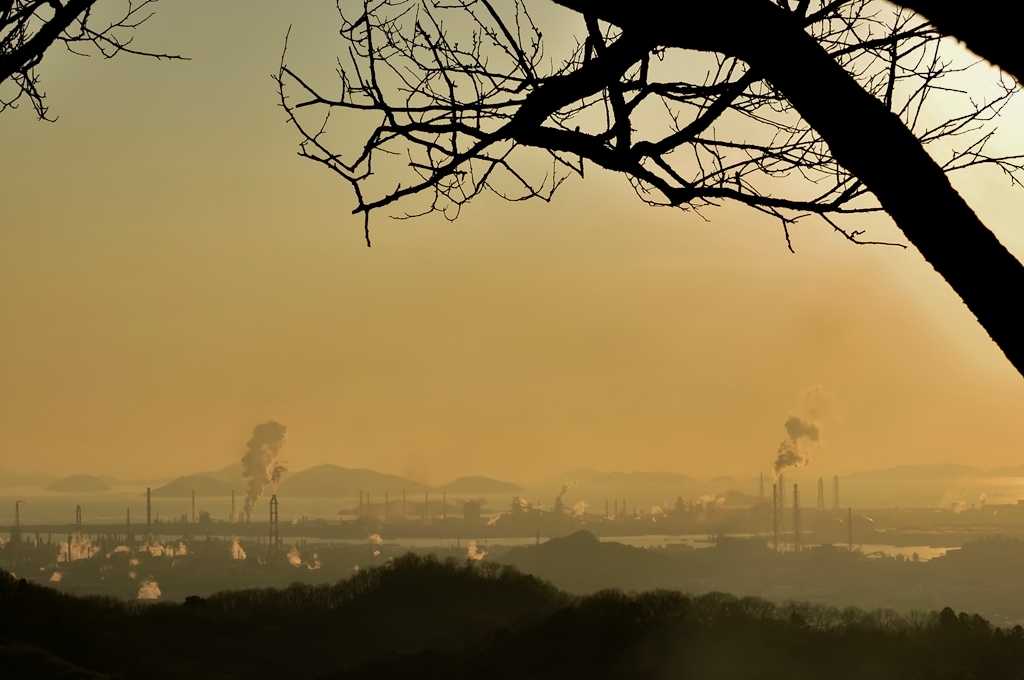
x=171, y=274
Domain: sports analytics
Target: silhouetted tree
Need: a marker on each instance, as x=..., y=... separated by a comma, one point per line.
x=29, y=28
x=696, y=103
x=987, y=27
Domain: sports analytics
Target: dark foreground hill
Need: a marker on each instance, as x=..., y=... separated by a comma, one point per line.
x=418, y=617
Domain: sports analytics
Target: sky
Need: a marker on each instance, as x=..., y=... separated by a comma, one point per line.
x=172, y=274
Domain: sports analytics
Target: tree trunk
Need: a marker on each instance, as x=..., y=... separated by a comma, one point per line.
x=863, y=136
x=990, y=28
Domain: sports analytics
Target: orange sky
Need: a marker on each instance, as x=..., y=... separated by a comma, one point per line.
x=171, y=274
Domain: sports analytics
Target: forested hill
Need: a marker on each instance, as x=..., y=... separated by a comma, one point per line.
x=418, y=617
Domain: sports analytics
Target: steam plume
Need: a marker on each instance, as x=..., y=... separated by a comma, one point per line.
x=260, y=464
x=801, y=430
x=473, y=553
x=237, y=553
x=149, y=590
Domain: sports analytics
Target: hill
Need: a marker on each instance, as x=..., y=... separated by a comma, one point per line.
x=901, y=473
x=621, y=479
x=479, y=485
x=79, y=484
x=205, y=487
x=230, y=473
x=333, y=481
x=580, y=563
x=10, y=478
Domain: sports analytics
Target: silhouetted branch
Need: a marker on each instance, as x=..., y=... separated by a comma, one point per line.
x=29, y=28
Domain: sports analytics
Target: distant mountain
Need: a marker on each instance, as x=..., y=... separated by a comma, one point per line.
x=479, y=485
x=579, y=475
x=10, y=478
x=1015, y=471
x=723, y=480
x=918, y=473
x=79, y=484
x=231, y=473
x=625, y=478
x=333, y=481
x=205, y=487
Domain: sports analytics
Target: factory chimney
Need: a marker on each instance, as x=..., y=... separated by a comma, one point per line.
x=849, y=529
x=78, y=520
x=835, y=492
x=193, y=506
x=782, y=491
x=149, y=517
x=821, y=494
x=128, y=528
x=796, y=518
x=16, y=534
x=760, y=493
x=275, y=536
x=232, y=506
x=775, y=514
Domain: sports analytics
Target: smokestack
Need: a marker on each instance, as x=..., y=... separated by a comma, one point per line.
x=775, y=514
x=616, y=508
x=835, y=492
x=275, y=537
x=849, y=529
x=232, y=506
x=821, y=494
x=78, y=520
x=605, y=507
x=128, y=522
x=149, y=517
x=796, y=518
x=782, y=491
x=193, y=506
x=760, y=493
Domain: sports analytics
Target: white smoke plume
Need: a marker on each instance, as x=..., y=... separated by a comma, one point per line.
x=237, y=553
x=376, y=553
x=314, y=563
x=374, y=539
x=294, y=558
x=134, y=562
x=261, y=464
x=149, y=590
x=122, y=549
x=578, y=509
x=473, y=553
x=56, y=577
x=79, y=548
x=132, y=574
x=492, y=521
